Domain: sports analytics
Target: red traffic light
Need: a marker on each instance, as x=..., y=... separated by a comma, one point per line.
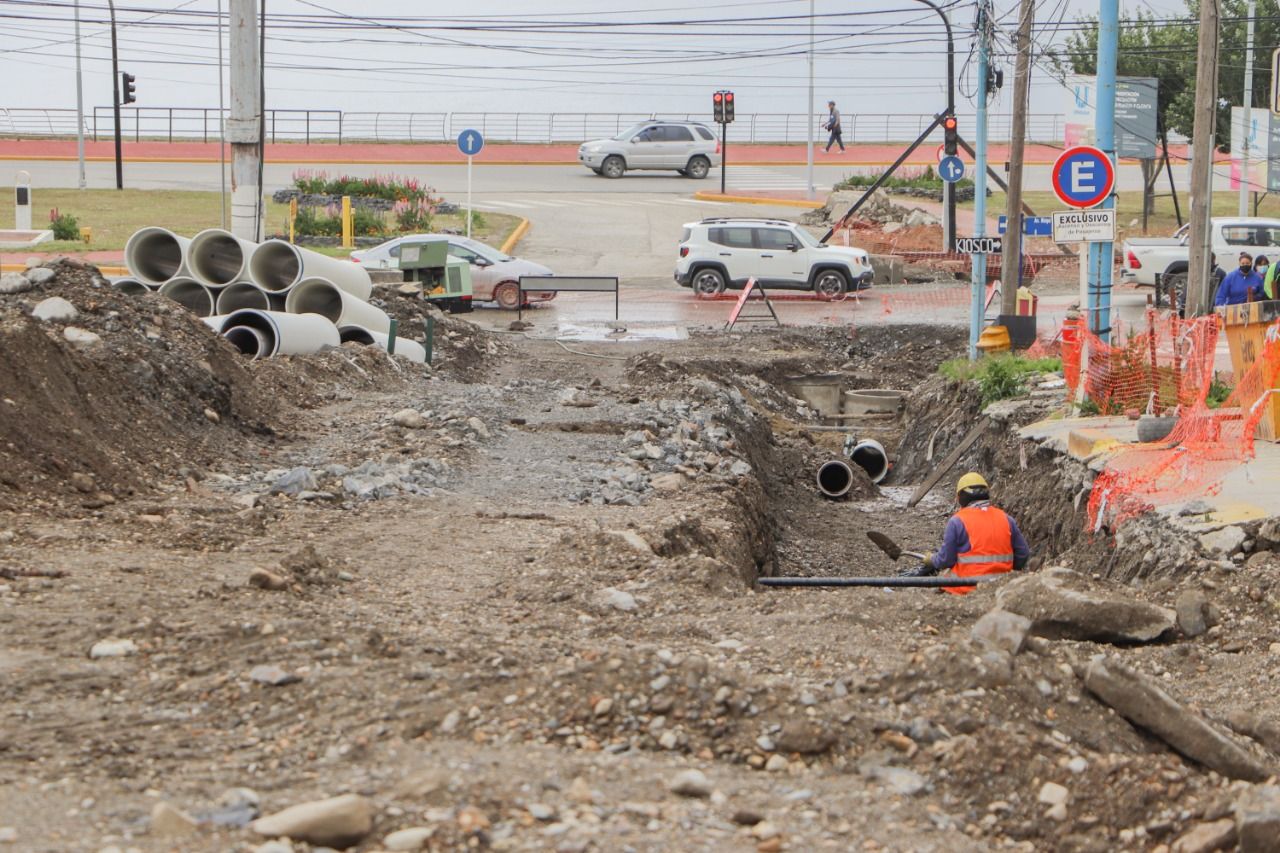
x=728, y=96
x=717, y=97
x=949, y=123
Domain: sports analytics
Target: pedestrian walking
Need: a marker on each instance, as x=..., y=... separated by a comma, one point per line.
x=833, y=125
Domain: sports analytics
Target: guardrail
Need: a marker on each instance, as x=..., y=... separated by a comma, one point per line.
x=189, y=124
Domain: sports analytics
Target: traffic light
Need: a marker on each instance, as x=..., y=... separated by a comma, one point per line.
x=127, y=87
x=717, y=107
x=950, y=137
x=728, y=107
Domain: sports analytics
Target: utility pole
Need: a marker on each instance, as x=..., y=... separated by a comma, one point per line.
x=1011, y=258
x=1101, y=255
x=244, y=127
x=809, y=133
x=1246, y=159
x=79, y=105
x=1199, y=280
x=978, y=283
x=115, y=96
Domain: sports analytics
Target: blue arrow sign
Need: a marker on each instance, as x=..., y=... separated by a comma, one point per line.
x=951, y=168
x=1032, y=226
x=470, y=142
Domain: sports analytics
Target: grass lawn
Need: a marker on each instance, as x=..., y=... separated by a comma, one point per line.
x=115, y=214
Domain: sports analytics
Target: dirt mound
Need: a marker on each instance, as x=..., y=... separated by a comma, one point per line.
x=903, y=356
x=117, y=391
x=461, y=349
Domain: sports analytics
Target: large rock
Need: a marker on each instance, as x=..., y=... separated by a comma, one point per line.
x=1065, y=605
x=1224, y=541
x=14, y=283
x=1001, y=630
x=55, y=308
x=807, y=737
x=1207, y=837
x=1142, y=702
x=336, y=822
x=1251, y=723
x=1195, y=614
x=1258, y=820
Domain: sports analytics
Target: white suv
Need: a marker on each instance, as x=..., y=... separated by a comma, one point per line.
x=687, y=147
x=720, y=253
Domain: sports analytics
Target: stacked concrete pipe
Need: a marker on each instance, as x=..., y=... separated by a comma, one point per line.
x=243, y=294
x=217, y=258
x=279, y=266
x=131, y=287
x=324, y=297
x=405, y=348
x=155, y=255
x=190, y=294
x=259, y=334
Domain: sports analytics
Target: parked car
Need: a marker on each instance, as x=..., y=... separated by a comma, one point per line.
x=721, y=253
x=1162, y=262
x=494, y=276
x=687, y=147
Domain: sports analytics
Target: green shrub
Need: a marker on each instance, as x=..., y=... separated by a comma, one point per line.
x=998, y=376
x=926, y=179
x=65, y=227
x=1219, y=391
x=389, y=187
x=314, y=222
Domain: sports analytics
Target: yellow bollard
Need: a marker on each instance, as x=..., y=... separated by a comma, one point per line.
x=293, y=217
x=86, y=234
x=347, y=237
x=994, y=339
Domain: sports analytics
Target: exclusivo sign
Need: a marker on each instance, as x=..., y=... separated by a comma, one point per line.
x=1084, y=226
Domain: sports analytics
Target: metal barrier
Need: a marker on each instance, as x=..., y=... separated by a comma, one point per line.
x=179, y=124
x=567, y=283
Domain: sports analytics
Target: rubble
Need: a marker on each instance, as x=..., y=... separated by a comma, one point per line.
x=1063, y=604
x=335, y=822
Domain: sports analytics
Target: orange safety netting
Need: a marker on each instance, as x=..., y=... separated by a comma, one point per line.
x=1205, y=445
x=1167, y=366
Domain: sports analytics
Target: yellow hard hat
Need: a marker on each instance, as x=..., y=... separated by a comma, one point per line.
x=970, y=481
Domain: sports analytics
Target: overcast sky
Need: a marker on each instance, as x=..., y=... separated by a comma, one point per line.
x=873, y=56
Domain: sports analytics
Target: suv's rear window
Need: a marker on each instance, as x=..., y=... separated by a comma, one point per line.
x=736, y=238
x=705, y=134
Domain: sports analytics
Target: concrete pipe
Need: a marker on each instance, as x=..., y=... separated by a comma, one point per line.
x=286, y=334
x=155, y=255
x=250, y=341
x=217, y=258
x=190, y=294
x=868, y=454
x=321, y=296
x=242, y=294
x=277, y=265
x=835, y=478
x=215, y=322
x=130, y=286
x=277, y=300
x=405, y=348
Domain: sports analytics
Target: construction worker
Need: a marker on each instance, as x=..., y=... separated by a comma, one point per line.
x=980, y=539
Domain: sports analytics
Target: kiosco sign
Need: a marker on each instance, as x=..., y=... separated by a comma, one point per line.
x=1083, y=176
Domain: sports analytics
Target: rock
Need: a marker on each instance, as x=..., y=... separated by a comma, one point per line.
x=900, y=779
x=272, y=675
x=236, y=807
x=541, y=811
x=1250, y=723
x=580, y=792
x=576, y=399
x=807, y=737
x=636, y=541
x=112, y=648
x=602, y=708
x=616, y=599
x=274, y=847
x=764, y=830
x=477, y=426
x=1052, y=794
x=8, y=835
x=409, y=419
x=691, y=783
x=335, y=822
x=451, y=722
x=263, y=579
x=14, y=283
x=1192, y=607
x=1001, y=630
x=1226, y=541
x=746, y=817
x=55, y=308
x=1258, y=819
x=740, y=468
x=168, y=822
x=40, y=275
x=82, y=482
x=669, y=482
x=775, y=763
x=412, y=838
x=1065, y=605
x=211, y=416
x=1207, y=837
x=1143, y=703
x=79, y=337
x=295, y=482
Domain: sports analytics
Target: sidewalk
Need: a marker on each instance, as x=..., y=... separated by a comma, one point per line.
x=494, y=154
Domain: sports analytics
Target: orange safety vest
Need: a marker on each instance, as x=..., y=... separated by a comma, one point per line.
x=990, y=545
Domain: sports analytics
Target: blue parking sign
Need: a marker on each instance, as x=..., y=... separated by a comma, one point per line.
x=1083, y=176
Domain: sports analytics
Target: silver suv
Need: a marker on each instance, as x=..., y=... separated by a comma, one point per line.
x=687, y=147
x=720, y=253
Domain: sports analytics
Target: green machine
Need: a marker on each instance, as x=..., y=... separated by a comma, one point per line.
x=445, y=281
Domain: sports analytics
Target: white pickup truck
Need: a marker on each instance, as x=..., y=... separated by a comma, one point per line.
x=1161, y=262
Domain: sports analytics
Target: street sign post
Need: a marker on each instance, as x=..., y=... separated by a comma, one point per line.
x=1083, y=176
x=951, y=168
x=1084, y=226
x=470, y=142
x=979, y=245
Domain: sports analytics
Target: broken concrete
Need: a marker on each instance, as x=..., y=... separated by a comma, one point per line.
x=1146, y=705
x=1257, y=821
x=1207, y=837
x=1000, y=629
x=1066, y=605
x=335, y=822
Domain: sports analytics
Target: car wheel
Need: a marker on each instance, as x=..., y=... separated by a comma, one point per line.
x=507, y=295
x=594, y=169
x=830, y=285
x=698, y=168
x=708, y=283
x=1174, y=286
x=613, y=167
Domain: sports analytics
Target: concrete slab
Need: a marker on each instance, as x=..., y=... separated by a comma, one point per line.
x=14, y=239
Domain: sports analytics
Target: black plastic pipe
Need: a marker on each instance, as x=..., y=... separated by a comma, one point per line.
x=891, y=581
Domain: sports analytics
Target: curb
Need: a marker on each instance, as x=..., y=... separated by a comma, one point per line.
x=116, y=271
x=514, y=237
x=702, y=195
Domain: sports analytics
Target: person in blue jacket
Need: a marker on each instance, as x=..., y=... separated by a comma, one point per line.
x=1240, y=285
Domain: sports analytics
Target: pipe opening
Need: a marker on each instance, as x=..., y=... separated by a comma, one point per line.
x=216, y=258
x=240, y=295
x=154, y=255
x=255, y=321
x=870, y=457
x=835, y=478
x=275, y=265
x=130, y=286
x=190, y=294
x=316, y=297
x=357, y=334
x=249, y=341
